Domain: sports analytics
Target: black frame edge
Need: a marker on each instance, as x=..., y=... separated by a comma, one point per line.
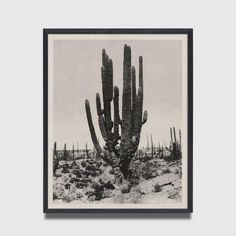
x=45, y=121
x=189, y=33
x=190, y=121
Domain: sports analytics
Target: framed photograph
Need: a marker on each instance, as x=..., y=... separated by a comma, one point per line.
x=118, y=120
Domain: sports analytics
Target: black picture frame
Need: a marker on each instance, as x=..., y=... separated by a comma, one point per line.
x=186, y=31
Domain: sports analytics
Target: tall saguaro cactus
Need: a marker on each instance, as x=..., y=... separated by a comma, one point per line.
x=119, y=149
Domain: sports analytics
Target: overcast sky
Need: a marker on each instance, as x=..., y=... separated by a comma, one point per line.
x=77, y=76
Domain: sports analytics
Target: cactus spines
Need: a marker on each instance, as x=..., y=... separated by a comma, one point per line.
x=119, y=153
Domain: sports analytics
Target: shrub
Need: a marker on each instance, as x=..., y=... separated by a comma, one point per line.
x=157, y=188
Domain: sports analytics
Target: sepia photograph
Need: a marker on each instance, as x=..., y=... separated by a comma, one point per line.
x=118, y=120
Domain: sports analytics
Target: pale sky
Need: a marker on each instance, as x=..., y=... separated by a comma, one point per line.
x=77, y=76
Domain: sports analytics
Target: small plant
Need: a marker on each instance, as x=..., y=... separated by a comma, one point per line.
x=157, y=188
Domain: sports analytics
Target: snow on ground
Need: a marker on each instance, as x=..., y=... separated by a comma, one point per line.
x=92, y=181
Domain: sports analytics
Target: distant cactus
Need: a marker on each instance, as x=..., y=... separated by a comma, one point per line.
x=55, y=159
x=55, y=150
x=73, y=151
x=65, y=154
x=87, y=151
x=152, y=147
x=175, y=145
x=119, y=149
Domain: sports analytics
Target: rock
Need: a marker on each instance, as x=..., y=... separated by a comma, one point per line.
x=106, y=177
x=149, y=170
x=132, y=197
x=125, y=188
x=174, y=169
x=177, y=184
x=157, y=188
x=79, y=193
x=58, y=190
x=119, y=198
x=91, y=168
x=166, y=178
x=147, y=186
x=107, y=193
x=159, y=172
x=166, y=171
x=77, y=173
x=168, y=188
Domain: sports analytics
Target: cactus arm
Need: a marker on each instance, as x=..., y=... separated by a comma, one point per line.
x=180, y=141
x=175, y=140
x=116, y=114
x=138, y=108
x=133, y=75
x=98, y=104
x=145, y=116
x=100, y=117
x=102, y=127
x=91, y=128
x=126, y=101
x=171, y=136
x=138, y=114
x=140, y=91
x=141, y=72
x=107, y=88
x=105, y=155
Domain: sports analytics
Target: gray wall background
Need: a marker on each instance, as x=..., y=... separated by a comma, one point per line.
x=21, y=117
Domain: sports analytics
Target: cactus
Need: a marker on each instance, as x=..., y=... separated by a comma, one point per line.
x=180, y=140
x=175, y=145
x=65, y=152
x=119, y=149
x=86, y=150
x=55, y=159
x=73, y=151
x=147, y=144
x=77, y=150
x=55, y=150
x=152, y=147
